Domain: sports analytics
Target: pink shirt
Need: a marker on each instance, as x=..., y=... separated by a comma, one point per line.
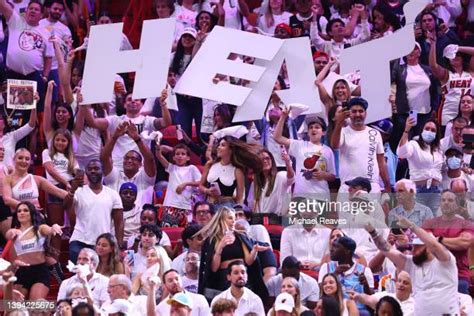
x=452, y=229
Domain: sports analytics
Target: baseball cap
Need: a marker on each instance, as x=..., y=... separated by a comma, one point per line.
x=182, y=299
x=320, y=53
x=310, y=119
x=358, y=101
x=454, y=149
x=128, y=186
x=383, y=126
x=284, y=26
x=284, y=302
x=360, y=181
x=348, y=243
x=417, y=242
x=191, y=31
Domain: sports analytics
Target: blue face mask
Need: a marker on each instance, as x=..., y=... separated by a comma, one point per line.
x=454, y=163
x=428, y=136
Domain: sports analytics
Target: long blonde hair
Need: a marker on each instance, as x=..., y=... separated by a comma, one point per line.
x=297, y=297
x=68, y=153
x=216, y=227
x=269, y=20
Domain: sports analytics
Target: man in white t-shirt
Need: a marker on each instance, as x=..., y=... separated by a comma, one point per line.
x=143, y=124
x=138, y=167
x=402, y=295
x=360, y=147
x=432, y=269
x=96, y=207
x=29, y=54
x=62, y=34
x=247, y=301
x=173, y=284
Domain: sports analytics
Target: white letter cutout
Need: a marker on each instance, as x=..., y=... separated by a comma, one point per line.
x=150, y=62
x=373, y=60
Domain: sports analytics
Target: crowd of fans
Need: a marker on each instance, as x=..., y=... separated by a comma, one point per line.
x=293, y=214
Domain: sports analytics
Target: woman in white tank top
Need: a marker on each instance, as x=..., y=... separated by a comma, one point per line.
x=21, y=186
x=29, y=237
x=456, y=81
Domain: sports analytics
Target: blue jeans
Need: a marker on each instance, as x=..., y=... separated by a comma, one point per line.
x=75, y=247
x=463, y=286
x=429, y=197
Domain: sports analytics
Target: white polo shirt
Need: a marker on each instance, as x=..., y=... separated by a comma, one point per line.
x=248, y=303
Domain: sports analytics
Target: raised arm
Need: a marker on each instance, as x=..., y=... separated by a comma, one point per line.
x=278, y=134
x=148, y=162
x=6, y=9
x=80, y=116
x=106, y=152
x=64, y=72
x=47, y=124
x=437, y=249
x=159, y=155
x=339, y=118
x=466, y=50
x=388, y=251
x=438, y=71
x=243, y=8
x=165, y=120
x=323, y=94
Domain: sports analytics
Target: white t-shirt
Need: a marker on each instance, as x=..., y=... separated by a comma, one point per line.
x=98, y=284
x=284, y=17
x=61, y=32
x=125, y=143
x=20, y=7
x=435, y=286
x=89, y=146
x=418, y=89
x=131, y=222
x=358, y=154
x=27, y=46
x=278, y=200
x=94, y=213
x=185, y=17
x=60, y=163
x=306, y=155
x=190, y=285
x=423, y=165
x=179, y=175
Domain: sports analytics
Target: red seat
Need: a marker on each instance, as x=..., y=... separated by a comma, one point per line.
x=274, y=229
x=6, y=250
x=311, y=273
x=174, y=233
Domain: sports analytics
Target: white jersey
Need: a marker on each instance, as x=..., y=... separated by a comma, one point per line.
x=456, y=86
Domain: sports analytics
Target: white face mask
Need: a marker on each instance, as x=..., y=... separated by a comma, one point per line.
x=428, y=136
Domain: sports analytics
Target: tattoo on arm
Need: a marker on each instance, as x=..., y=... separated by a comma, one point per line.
x=381, y=243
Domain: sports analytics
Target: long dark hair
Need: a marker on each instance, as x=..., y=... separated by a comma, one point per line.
x=435, y=143
x=260, y=180
x=339, y=291
x=70, y=123
x=225, y=112
x=178, y=58
x=243, y=156
x=213, y=19
x=36, y=219
x=397, y=309
x=388, y=16
x=330, y=306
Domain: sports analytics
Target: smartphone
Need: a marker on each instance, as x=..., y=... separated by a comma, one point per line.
x=179, y=132
x=92, y=18
x=130, y=254
x=397, y=231
x=79, y=175
x=345, y=105
x=414, y=116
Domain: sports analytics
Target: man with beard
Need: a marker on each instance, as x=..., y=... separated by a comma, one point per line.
x=133, y=161
x=247, y=301
x=360, y=147
x=95, y=207
x=191, y=267
x=402, y=294
x=432, y=269
x=173, y=285
x=454, y=233
x=124, y=141
x=62, y=34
